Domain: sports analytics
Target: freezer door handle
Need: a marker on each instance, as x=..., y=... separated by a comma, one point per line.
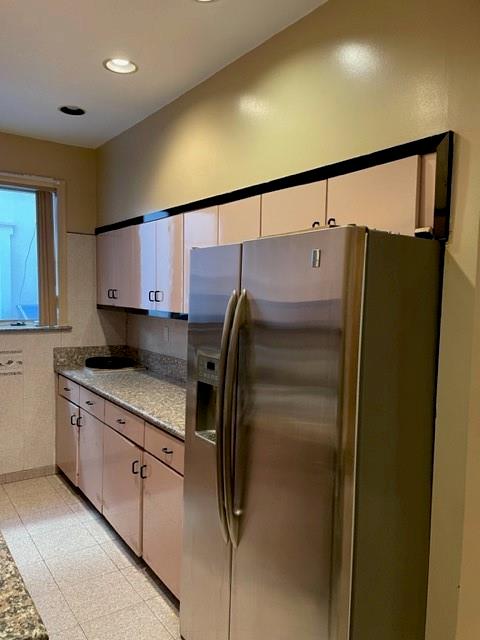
x=229, y=417
x=219, y=424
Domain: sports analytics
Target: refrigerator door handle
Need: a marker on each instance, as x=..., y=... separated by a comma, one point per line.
x=229, y=418
x=219, y=423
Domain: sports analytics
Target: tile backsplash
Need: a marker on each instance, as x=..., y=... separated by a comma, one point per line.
x=158, y=335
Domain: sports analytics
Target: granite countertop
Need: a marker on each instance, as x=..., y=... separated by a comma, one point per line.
x=158, y=400
x=19, y=619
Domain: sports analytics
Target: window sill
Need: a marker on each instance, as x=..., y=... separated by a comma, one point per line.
x=7, y=328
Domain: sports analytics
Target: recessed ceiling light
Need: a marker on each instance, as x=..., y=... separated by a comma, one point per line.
x=71, y=110
x=120, y=65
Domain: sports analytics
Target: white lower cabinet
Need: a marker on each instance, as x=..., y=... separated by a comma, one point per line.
x=122, y=487
x=162, y=521
x=66, y=438
x=140, y=494
x=90, y=458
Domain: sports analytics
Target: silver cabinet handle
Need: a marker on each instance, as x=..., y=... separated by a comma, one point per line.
x=229, y=417
x=121, y=421
x=219, y=422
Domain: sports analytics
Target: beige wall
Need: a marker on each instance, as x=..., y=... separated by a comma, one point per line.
x=351, y=78
x=27, y=401
x=74, y=165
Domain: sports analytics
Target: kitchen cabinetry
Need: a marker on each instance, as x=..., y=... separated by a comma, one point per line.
x=239, y=221
x=128, y=425
x=294, y=209
x=141, y=267
x=92, y=403
x=117, y=252
x=68, y=389
x=66, y=438
x=201, y=230
x=162, y=521
x=90, y=458
x=169, y=264
x=131, y=471
x=164, y=447
x=383, y=197
x=122, y=487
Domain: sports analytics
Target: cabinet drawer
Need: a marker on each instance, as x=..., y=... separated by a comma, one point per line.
x=68, y=389
x=126, y=423
x=164, y=447
x=92, y=403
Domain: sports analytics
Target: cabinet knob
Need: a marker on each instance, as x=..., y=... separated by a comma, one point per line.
x=66, y=389
x=73, y=420
x=331, y=222
x=143, y=468
x=115, y=294
x=167, y=450
x=315, y=224
x=135, y=464
x=159, y=295
x=79, y=421
x=151, y=296
x=90, y=403
x=121, y=421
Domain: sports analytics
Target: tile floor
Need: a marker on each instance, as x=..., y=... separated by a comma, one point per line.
x=85, y=582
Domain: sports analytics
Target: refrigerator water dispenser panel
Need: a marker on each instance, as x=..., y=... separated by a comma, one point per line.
x=207, y=387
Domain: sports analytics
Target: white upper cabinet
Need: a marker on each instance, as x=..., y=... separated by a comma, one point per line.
x=201, y=230
x=140, y=276
x=115, y=281
x=141, y=267
x=169, y=264
x=384, y=197
x=105, y=268
x=239, y=221
x=294, y=209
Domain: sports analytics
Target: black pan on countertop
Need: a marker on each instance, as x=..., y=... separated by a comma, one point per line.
x=110, y=362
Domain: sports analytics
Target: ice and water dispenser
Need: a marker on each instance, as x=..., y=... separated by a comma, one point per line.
x=207, y=391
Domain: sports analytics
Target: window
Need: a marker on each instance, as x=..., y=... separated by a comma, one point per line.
x=28, y=260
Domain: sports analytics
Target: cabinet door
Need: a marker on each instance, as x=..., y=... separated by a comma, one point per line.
x=138, y=243
x=239, y=221
x=162, y=522
x=294, y=209
x=90, y=458
x=105, y=268
x=125, y=245
x=201, y=230
x=66, y=438
x=169, y=264
x=122, y=487
x=385, y=197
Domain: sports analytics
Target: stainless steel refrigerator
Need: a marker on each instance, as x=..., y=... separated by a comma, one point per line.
x=310, y=422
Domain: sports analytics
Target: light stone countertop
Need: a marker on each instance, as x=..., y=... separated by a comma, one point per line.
x=19, y=619
x=160, y=401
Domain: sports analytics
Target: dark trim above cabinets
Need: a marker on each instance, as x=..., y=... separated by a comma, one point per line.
x=146, y=312
x=441, y=144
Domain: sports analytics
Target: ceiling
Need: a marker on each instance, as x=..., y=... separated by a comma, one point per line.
x=51, y=54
